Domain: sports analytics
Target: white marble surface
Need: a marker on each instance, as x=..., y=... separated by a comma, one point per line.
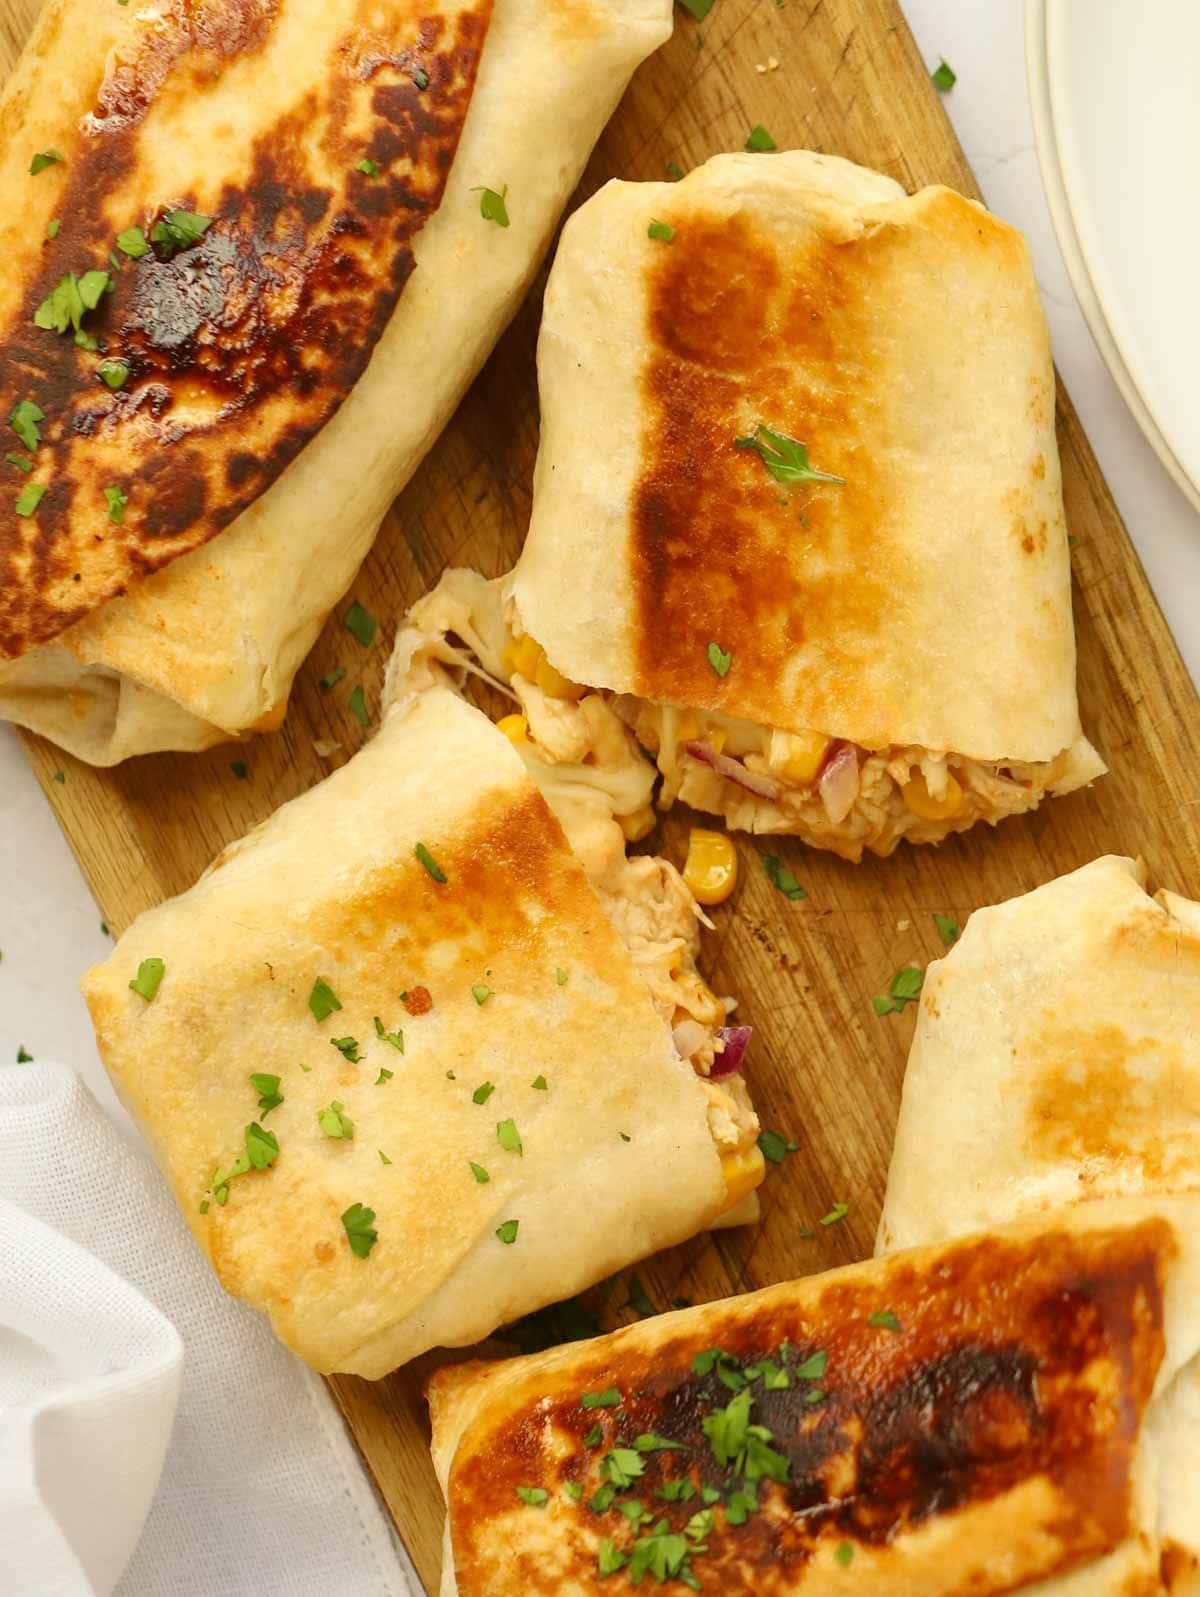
x=49, y=927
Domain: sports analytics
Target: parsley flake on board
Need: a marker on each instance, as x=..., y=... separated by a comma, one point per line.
x=492, y=205
x=149, y=978
x=357, y=705
x=332, y=678
x=43, y=159
x=719, y=659
x=23, y=418
x=132, y=242
x=335, y=1123
x=359, y=1224
x=508, y=1232
x=179, y=230
x=698, y=8
x=509, y=1137
x=434, y=869
x=947, y=929
x=323, y=1000
x=944, y=76
x=267, y=1088
x=760, y=139
x=785, y=458
x=361, y=624
x=240, y=769
x=674, y=171
x=394, y=1038
x=838, y=1212
x=533, y=1496
x=781, y=877
x=775, y=1147
x=662, y=231
x=347, y=1047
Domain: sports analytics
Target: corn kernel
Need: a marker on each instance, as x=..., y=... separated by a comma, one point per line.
x=921, y=801
x=552, y=682
x=521, y=657
x=743, y=1170
x=638, y=825
x=514, y=727
x=711, y=869
x=798, y=756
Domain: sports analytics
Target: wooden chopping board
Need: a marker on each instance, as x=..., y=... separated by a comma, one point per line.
x=824, y=1068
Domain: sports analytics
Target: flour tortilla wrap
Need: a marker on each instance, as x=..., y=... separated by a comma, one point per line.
x=1057, y=1060
x=919, y=610
x=515, y=1001
x=288, y=369
x=984, y=1423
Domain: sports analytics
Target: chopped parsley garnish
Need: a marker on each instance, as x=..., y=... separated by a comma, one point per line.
x=368, y=167
x=775, y=1147
x=357, y=705
x=944, y=76
x=479, y=1173
x=594, y=1437
x=483, y=1092
x=674, y=171
x=540, y=1084
x=622, y=1466
x=698, y=8
x=662, y=231
x=332, y=678
x=323, y=1000
x=560, y=976
x=69, y=301
x=735, y=1440
x=359, y=1223
x=650, y=1442
x=491, y=205
x=533, y=1496
x=905, y=989
x=719, y=659
x=267, y=1088
x=383, y=1158
x=24, y=1057
x=361, y=624
x=661, y=1553
x=680, y=1490
x=435, y=870
x=700, y=1525
x=760, y=139
x=383, y=1076
x=838, y=1212
x=21, y=462
x=785, y=458
x=639, y=1299
x=947, y=929
x=52, y=227
x=508, y=1232
x=113, y=373
x=813, y=1367
x=347, y=1047
x=240, y=769
x=609, y=1398
x=602, y=1500
x=179, y=230
x=335, y=1123
x=844, y=1553
x=479, y=992
x=116, y=501
x=149, y=978
x=574, y=1490
x=42, y=160
x=30, y=498
x=394, y=1038
x=262, y=1146
x=23, y=418
x=883, y=1320
x=133, y=242
x=782, y=878
x=421, y=78
x=509, y=1137
x=608, y=1559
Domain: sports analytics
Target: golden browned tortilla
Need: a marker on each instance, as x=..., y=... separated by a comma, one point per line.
x=968, y=1418
x=306, y=143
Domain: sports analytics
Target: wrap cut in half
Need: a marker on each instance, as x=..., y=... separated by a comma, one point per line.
x=1057, y=1060
x=263, y=249
x=976, y=1416
x=797, y=505
x=406, y=1078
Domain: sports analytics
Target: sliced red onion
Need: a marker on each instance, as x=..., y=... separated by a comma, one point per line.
x=736, y=1040
x=734, y=770
x=839, y=782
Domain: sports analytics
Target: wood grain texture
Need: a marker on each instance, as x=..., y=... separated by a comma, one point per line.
x=824, y=1067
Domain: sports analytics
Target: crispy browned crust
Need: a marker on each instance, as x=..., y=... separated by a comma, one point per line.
x=241, y=347
x=1018, y=1380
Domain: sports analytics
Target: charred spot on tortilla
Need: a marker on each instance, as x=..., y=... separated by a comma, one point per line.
x=258, y=327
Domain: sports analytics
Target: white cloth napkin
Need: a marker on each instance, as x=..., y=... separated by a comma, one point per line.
x=109, y=1316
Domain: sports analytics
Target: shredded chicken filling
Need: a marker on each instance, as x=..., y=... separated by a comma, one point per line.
x=588, y=766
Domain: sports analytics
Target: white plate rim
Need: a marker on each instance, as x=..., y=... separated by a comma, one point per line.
x=1088, y=283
